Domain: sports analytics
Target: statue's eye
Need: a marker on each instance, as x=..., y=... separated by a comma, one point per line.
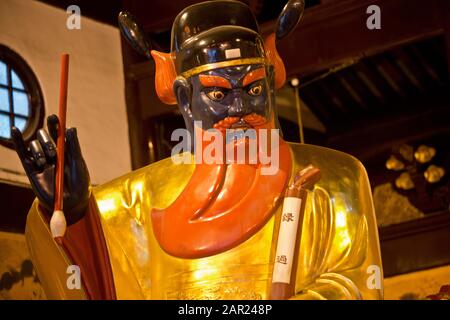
x=256, y=90
x=216, y=95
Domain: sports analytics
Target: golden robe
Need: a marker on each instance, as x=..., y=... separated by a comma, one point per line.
x=339, y=254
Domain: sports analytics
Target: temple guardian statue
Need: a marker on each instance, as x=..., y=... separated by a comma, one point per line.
x=189, y=230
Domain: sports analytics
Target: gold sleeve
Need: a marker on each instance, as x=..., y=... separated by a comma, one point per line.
x=339, y=252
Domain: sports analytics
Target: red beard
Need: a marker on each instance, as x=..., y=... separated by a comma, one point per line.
x=223, y=204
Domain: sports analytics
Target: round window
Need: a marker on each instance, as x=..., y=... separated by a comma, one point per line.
x=21, y=102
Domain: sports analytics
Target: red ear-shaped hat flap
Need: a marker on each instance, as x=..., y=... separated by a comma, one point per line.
x=165, y=76
x=275, y=60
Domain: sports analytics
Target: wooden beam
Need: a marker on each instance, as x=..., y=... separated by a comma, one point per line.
x=445, y=5
x=334, y=32
x=371, y=139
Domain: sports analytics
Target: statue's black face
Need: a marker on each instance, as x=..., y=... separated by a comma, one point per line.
x=226, y=96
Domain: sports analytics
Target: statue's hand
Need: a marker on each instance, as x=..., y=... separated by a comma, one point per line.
x=39, y=161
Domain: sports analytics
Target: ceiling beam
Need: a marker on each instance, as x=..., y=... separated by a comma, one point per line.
x=336, y=31
x=446, y=20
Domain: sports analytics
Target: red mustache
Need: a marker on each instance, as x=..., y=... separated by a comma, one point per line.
x=253, y=120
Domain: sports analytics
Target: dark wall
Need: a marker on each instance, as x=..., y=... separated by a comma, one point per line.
x=15, y=202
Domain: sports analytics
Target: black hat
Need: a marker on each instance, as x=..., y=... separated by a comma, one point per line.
x=215, y=34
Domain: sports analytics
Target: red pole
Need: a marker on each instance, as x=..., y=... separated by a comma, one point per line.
x=59, y=187
x=59, y=224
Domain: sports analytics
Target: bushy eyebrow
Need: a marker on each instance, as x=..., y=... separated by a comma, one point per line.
x=214, y=81
x=254, y=75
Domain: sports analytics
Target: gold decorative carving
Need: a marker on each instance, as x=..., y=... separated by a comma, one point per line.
x=394, y=164
x=424, y=153
x=404, y=181
x=434, y=173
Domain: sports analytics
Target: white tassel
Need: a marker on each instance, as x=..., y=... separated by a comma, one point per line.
x=58, y=224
